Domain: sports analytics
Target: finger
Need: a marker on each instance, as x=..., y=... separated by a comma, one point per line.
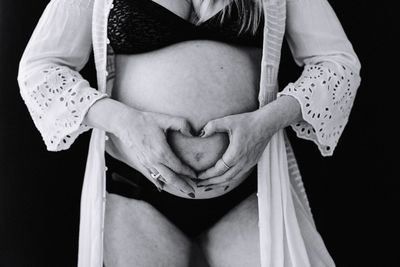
x=178, y=124
x=228, y=158
x=214, y=126
x=227, y=184
x=147, y=172
x=227, y=176
x=157, y=182
x=174, y=180
x=217, y=170
x=175, y=164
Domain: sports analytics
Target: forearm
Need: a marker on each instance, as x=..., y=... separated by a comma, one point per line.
x=331, y=74
x=280, y=113
x=105, y=113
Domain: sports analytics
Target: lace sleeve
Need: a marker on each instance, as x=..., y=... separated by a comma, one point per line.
x=58, y=103
x=326, y=98
x=56, y=95
x=330, y=79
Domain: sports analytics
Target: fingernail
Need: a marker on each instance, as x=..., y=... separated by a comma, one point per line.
x=192, y=195
x=202, y=133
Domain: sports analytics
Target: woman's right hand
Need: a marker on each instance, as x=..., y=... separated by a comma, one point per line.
x=141, y=138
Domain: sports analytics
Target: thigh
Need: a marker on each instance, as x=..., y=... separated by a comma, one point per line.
x=136, y=234
x=234, y=240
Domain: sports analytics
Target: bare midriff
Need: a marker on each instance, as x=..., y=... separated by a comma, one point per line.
x=198, y=80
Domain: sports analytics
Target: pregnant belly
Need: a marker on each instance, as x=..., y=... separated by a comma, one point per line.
x=199, y=80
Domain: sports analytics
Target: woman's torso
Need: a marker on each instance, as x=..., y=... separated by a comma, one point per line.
x=169, y=66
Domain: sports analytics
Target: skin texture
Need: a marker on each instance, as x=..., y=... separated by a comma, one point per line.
x=234, y=240
x=246, y=146
x=138, y=235
x=145, y=135
x=199, y=81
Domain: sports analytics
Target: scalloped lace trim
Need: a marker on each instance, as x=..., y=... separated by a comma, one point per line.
x=58, y=102
x=326, y=99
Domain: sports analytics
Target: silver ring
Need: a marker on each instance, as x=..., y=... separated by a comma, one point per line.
x=226, y=165
x=155, y=175
x=158, y=177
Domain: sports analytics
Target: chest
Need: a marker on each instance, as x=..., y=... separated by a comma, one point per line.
x=138, y=26
x=273, y=34
x=180, y=8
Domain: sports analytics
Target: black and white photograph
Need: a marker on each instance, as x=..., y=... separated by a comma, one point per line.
x=198, y=133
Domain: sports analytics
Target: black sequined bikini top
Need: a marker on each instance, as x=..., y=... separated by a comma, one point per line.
x=137, y=26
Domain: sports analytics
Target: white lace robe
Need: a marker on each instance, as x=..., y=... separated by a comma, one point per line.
x=58, y=97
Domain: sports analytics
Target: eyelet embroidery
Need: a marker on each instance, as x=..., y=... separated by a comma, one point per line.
x=326, y=98
x=58, y=103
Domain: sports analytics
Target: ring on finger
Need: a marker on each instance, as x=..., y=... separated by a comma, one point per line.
x=158, y=177
x=160, y=180
x=155, y=175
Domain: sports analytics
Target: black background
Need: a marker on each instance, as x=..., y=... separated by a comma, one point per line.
x=353, y=194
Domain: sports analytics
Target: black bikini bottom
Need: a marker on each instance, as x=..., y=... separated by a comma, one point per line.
x=192, y=216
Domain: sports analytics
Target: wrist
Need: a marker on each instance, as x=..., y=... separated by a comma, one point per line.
x=280, y=113
x=106, y=114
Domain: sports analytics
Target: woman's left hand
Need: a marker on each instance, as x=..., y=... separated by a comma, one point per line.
x=249, y=134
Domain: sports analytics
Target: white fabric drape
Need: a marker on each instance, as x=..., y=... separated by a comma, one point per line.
x=57, y=97
x=282, y=243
